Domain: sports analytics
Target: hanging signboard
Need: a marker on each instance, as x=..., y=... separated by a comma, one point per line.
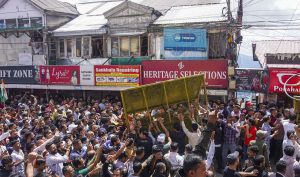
x=62, y=75
x=117, y=75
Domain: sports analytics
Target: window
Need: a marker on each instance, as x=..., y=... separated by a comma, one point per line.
x=144, y=46
x=36, y=22
x=134, y=46
x=114, y=47
x=11, y=23
x=97, y=48
x=23, y=23
x=129, y=46
x=69, y=48
x=61, y=48
x=86, y=46
x=78, y=47
x=124, y=46
x=2, y=24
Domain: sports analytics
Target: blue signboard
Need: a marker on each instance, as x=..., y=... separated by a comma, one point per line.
x=185, y=39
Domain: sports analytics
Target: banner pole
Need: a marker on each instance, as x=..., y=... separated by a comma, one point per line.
x=198, y=100
x=167, y=101
x=205, y=91
x=146, y=102
x=187, y=95
x=125, y=110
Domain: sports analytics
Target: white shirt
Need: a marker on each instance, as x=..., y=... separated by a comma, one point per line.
x=288, y=126
x=175, y=159
x=18, y=157
x=193, y=137
x=55, y=163
x=289, y=142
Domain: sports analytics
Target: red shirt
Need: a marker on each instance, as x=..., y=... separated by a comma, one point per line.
x=252, y=131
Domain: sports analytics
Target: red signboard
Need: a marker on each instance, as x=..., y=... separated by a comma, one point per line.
x=215, y=71
x=117, y=75
x=62, y=75
x=278, y=77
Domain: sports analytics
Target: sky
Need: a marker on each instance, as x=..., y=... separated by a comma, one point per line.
x=285, y=13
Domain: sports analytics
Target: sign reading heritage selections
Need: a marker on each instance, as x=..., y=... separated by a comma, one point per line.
x=215, y=71
x=62, y=75
x=117, y=75
x=19, y=74
x=252, y=80
x=279, y=77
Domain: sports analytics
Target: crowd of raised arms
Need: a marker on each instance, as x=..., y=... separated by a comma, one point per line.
x=91, y=137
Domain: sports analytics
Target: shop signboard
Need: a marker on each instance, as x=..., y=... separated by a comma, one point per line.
x=117, y=75
x=252, y=80
x=19, y=74
x=215, y=71
x=87, y=75
x=279, y=77
x=185, y=43
x=291, y=59
x=60, y=75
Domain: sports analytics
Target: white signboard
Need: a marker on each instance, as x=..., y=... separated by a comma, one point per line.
x=87, y=75
x=25, y=59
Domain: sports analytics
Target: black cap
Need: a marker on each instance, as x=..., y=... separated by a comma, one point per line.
x=156, y=149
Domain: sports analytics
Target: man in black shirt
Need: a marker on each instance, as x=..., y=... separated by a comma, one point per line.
x=232, y=165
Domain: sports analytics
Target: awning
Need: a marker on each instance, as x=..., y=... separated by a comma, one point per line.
x=64, y=87
x=79, y=33
x=129, y=33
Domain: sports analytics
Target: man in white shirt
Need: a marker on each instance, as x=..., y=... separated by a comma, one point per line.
x=291, y=141
x=173, y=156
x=193, y=136
x=18, y=158
x=54, y=160
x=289, y=126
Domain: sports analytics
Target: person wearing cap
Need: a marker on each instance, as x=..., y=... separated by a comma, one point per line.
x=290, y=160
x=262, y=147
x=18, y=158
x=230, y=170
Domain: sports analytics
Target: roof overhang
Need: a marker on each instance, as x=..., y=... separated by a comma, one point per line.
x=78, y=33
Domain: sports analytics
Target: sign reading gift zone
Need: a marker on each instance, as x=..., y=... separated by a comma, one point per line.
x=279, y=77
x=117, y=75
x=215, y=71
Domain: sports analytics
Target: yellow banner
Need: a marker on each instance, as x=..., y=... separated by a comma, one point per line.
x=163, y=93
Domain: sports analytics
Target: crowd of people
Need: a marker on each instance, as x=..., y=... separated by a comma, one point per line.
x=68, y=137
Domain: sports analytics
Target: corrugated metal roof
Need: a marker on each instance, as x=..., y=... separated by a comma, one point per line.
x=90, y=23
x=83, y=25
x=275, y=47
x=105, y=7
x=55, y=6
x=193, y=14
x=164, y=5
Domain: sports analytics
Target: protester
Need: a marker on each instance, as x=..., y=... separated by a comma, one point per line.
x=90, y=137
